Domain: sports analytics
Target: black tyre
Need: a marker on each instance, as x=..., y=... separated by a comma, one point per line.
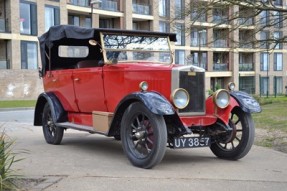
x=144, y=136
x=52, y=133
x=237, y=143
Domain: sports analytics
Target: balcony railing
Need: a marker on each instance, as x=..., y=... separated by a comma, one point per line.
x=109, y=5
x=245, y=21
x=4, y=64
x=82, y=3
x=195, y=42
x=141, y=9
x=246, y=67
x=202, y=65
x=245, y=44
x=220, y=19
x=220, y=67
x=2, y=25
x=220, y=43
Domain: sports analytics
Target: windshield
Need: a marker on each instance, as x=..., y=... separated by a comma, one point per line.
x=129, y=48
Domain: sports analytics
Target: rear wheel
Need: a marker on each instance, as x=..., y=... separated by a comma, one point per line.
x=238, y=142
x=144, y=136
x=52, y=133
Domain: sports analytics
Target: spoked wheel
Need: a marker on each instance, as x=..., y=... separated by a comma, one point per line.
x=52, y=133
x=144, y=136
x=239, y=141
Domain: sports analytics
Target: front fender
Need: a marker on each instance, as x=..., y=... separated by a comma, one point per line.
x=156, y=103
x=247, y=103
x=57, y=110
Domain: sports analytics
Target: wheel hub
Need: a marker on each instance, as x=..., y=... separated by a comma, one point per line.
x=140, y=134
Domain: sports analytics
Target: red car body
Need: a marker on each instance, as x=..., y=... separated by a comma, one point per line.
x=99, y=93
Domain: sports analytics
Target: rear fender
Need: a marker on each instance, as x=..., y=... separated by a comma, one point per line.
x=57, y=110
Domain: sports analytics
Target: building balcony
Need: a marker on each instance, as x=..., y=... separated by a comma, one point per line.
x=109, y=5
x=80, y=3
x=220, y=67
x=220, y=19
x=245, y=21
x=246, y=67
x=141, y=9
x=220, y=43
x=196, y=42
x=245, y=44
x=202, y=65
x=2, y=25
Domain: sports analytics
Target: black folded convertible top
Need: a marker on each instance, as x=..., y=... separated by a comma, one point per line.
x=66, y=32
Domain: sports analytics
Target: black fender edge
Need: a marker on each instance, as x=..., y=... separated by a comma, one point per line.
x=57, y=110
x=246, y=102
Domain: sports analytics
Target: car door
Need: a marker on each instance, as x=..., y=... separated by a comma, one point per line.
x=89, y=89
x=60, y=83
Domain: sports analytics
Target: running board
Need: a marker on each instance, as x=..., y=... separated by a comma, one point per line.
x=77, y=127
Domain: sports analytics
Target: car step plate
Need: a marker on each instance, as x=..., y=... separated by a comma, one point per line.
x=191, y=142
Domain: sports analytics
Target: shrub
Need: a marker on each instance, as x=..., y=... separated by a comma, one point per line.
x=7, y=159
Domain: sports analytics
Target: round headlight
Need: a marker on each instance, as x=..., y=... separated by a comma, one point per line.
x=180, y=98
x=221, y=98
x=231, y=86
x=143, y=86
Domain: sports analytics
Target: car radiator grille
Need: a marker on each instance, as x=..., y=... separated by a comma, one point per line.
x=194, y=83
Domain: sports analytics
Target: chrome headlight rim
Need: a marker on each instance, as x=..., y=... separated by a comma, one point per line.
x=231, y=86
x=143, y=86
x=216, y=96
x=173, y=95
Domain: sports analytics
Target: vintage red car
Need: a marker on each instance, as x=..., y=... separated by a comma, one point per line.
x=124, y=84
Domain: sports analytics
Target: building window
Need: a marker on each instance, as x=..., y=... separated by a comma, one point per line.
x=52, y=16
x=179, y=9
x=29, y=55
x=278, y=35
x=74, y=20
x=278, y=85
x=277, y=19
x=88, y=22
x=163, y=26
x=107, y=23
x=28, y=18
x=264, y=60
x=198, y=37
x=163, y=6
x=247, y=84
x=264, y=85
x=198, y=59
x=180, y=34
x=278, y=61
x=180, y=57
x=83, y=3
x=264, y=18
x=264, y=36
x=197, y=11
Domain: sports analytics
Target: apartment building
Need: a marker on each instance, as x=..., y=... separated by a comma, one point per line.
x=253, y=68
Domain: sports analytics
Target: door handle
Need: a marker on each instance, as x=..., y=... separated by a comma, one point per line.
x=54, y=80
x=76, y=79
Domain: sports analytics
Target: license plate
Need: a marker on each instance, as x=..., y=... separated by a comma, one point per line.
x=191, y=142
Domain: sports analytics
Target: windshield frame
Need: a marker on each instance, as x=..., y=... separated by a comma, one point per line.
x=105, y=50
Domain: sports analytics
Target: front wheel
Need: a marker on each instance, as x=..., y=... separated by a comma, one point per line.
x=52, y=133
x=144, y=136
x=237, y=143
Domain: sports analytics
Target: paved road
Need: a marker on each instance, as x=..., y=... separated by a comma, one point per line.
x=92, y=162
x=22, y=116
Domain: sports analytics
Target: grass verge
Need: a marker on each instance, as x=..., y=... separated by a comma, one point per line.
x=17, y=103
x=271, y=128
